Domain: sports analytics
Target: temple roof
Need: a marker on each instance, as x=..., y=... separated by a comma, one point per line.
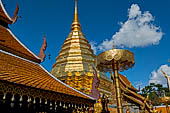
x=25, y=72
x=126, y=82
x=130, y=93
x=10, y=43
x=162, y=109
x=4, y=16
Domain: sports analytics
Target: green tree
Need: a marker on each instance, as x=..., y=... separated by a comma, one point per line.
x=155, y=91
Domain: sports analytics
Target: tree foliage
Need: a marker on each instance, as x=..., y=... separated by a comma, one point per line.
x=155, y=91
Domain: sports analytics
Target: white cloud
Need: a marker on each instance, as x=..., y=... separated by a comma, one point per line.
x=139, y=84
x=134, y=11
x=93, y=46
x=137, y=31
x=157, y=77
x=106, y=45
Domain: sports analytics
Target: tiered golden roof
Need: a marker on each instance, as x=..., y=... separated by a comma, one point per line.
x=76, y=57
x=76, y=54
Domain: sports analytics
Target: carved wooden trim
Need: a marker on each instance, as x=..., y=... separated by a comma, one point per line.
x=14, y=89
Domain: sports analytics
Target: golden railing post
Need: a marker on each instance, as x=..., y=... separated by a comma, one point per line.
x=165, y=99
x=117, y=85
x=167, y=108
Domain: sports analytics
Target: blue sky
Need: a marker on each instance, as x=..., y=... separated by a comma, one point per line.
x=99, y=20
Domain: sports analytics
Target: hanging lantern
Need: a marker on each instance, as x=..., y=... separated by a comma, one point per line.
x=84, y=106
x=29, y=99
x=34, y=101
x=20, y=104
x=4, y=97
x=46, y=101
x=40, y=101
x=13, y=98
x=20, y=98
x=12, y=105
x=51, y=104
x=64, y=105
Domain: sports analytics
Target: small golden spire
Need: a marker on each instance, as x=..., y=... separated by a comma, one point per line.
x=76, y=24
x=76, y=13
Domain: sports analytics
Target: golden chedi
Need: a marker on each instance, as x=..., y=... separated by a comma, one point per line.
x=76, y=58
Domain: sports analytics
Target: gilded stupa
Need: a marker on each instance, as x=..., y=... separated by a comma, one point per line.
x=74, y=64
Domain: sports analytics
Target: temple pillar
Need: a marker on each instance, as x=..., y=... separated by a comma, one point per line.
x=117, y=86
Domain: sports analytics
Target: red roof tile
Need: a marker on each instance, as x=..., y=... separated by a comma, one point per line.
x=162, y=108
x=4, y=15
x=10, y=43
x=127, y=82
x=20, y=71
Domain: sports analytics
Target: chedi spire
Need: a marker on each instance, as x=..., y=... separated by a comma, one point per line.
x=76, y=24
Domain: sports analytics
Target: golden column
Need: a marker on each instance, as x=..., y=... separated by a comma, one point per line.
x=117, y=85
x=116, y=60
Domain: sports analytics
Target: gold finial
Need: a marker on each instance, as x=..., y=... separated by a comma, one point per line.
x=168, y=60
x=147, y=97
x=76, y=25
x=164, y=73
x=76, y=13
